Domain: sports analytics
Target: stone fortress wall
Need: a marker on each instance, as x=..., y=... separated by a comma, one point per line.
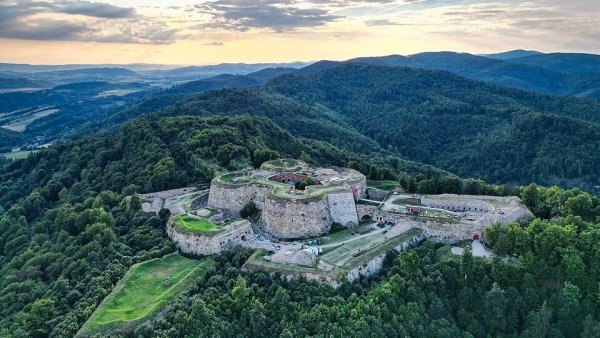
x=459, y=204
x=199, y=244
x=295, y=218
x=231, y=198
x=342, y=208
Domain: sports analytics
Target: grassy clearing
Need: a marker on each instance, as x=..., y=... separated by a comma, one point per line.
x=257, y=261
x=407, y=200
x=345, y=234
x=17, y=155
x=344, y=252
x=381, y=248
x=188, y=223
x=445, y=252
x=383, y=185
x=144, y=290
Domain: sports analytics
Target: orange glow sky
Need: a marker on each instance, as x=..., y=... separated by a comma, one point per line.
x=208, y=32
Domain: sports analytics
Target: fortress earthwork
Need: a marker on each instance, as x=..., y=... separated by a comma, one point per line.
x=321, y=223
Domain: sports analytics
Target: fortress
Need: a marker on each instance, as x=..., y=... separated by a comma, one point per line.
x=320, y=223
x=294, y=199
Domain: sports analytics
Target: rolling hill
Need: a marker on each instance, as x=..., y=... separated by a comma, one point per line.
x=512, y=54
x=567, y=63
x=544, y=73
x=460, y=125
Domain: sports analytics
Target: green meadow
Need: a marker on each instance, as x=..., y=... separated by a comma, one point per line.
x=144, y=290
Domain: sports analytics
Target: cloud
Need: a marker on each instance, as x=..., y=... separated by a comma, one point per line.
x=381, y=22
x=215, y=43
x=62, y=20
x=94, y=9
x=16, y=9
x=274, y=15
x=42, y=29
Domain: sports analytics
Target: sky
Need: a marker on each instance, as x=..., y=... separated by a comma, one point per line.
x=196, y=32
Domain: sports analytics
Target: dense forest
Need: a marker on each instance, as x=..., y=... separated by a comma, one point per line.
x=463, y=126
x=68, y=235
x=71, y=225
x=9, y=138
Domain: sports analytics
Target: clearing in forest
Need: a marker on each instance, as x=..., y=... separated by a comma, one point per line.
x=144, y=290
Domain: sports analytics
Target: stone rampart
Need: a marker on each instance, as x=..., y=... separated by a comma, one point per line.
x=375, y=264
x=199, y=244
x=457, y=205
x=342, y=208
x=231, y=198
x=366, y=210
x=288, y=218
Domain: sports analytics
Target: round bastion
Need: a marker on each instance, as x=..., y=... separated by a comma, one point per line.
x=288, y=208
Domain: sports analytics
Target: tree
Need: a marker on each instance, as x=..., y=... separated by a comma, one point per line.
x=539, y=325
x=494, y=309
x=426, y=187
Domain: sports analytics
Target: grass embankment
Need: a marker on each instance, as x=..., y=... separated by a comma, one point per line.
x=258, y=261
x=383, y=185
x=236, y=178
x=203, y=226
x=144, y=290
x=407, y=200
x=345, y=234
x=381, y=248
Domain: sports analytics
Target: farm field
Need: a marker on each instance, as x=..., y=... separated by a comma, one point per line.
x=20, y=122
x=144, y=290
x=17, y=155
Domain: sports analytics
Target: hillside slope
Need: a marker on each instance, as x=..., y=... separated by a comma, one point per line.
x=543, y=73
x=460, y=125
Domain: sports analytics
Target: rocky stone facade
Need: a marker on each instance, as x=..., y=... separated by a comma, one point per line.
x=293, y=217
x=284, y=218
x=199, y=244
x=342, y=208
x=231, y=198
x=457, y=205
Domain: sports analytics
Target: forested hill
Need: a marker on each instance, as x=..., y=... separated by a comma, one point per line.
x=9, y=138
x=559, y=74
x=460, y=125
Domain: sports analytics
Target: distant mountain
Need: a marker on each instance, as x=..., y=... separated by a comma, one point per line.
x=9, y=83
x=567, y=63
x=103, y=71
x=269, y=73
x=460, y=125
x=224, y=68
x=526, y=73
x=216, y=82
x=513, y=54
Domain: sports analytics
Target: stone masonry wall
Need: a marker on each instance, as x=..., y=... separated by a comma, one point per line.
x=295, y=218
x=232, y=198
x=375, y=264
x=457, y=205
x=366, y=210
x=205, y=244
x=342, y=208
